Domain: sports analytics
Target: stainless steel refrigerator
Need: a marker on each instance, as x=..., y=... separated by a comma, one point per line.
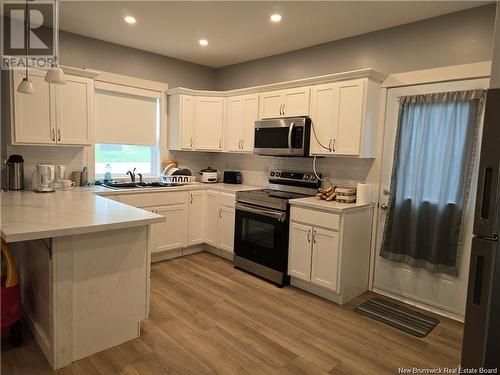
x=481, y=342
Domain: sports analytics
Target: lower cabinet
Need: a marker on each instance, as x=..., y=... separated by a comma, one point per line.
x=171, y=234
x=196, y=218
x=219, y=219
x=329, y=252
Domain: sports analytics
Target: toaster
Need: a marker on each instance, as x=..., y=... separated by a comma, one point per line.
x=232, y=177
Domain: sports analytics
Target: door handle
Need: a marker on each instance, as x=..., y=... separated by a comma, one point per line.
x=486, y=193
x=384, y=206
x=290, y=135
x=478, y=281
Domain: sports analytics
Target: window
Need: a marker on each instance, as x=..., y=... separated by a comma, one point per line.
x=123, y=158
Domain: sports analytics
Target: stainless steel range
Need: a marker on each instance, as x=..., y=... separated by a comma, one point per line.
x=262, y=221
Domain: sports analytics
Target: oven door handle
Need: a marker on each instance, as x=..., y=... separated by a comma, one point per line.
x=278, y=215
x=290, y=130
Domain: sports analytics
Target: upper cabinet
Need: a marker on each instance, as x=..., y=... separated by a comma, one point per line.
x=285, y=103
x=195, y=122
x=241, y=113
x=55, y=114
x=343, y=107
x=344, y=116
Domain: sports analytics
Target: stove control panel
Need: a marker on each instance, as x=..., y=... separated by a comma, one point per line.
x=293, y=178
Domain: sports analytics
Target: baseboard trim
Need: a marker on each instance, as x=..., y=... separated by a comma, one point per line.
x=41, y=338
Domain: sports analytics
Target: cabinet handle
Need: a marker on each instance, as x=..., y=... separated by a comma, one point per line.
x=239, y=144
x=242, y=144
x=190, y=141
x=58, y=135
x=191, y=198
x=334, y=145
x=220, y=143
x=330, y=145
x=220, y=213
x=284, y=109
x=53, y=135
x=309, y=236
x=314, y=236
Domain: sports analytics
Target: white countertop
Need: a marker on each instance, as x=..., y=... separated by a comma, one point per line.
x=28, y=216
x=313, y=202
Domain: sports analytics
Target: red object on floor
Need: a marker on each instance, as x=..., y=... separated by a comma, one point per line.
x=11, y=308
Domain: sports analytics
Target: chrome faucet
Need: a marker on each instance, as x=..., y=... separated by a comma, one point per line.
x=132, y=174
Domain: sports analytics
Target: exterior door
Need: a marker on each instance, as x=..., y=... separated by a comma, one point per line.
x=299, y=251
x=171, y=234
x=209, y=121
x=196, y=217
x=34, y=115
x=226, y=228
x=187, y=122
x=74, y=102
x=211, y=218
x=435, y=290
x=325, y=258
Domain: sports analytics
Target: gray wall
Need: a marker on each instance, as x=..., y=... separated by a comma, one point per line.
x=495, y=69
x=80, y=51
x=456, y=38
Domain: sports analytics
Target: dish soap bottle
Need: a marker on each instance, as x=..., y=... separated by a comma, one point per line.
x=107, y=173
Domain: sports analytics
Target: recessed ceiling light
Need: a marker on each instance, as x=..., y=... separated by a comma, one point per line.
x=129, y=19
x=203, y=42
x=276, y=17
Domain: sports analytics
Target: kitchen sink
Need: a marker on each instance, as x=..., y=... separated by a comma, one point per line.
x=137, y=185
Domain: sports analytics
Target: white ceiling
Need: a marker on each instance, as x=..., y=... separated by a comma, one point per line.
x=239, y=31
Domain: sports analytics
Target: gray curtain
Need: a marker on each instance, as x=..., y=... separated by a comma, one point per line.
x=433, y=160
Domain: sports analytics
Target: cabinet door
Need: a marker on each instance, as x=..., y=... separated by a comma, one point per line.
x=187, y=122
x=324, y=113
x=348, y=138
x=196, y=217
x=211, y=218
x=226, y=228
x=296, y=102
x=74, y=120
x=171, y=234
x=34, y=115
x=209, y=118
x=299, y=251
x=234, y=124
x=250, y=115
x=271, y=104
x=325, y=258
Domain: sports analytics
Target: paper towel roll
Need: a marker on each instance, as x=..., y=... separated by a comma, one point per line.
x=363, y=193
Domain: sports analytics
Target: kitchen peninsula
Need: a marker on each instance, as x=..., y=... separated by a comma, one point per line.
x=84, y=265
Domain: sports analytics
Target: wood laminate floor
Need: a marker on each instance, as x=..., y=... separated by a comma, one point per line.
x=209, y=318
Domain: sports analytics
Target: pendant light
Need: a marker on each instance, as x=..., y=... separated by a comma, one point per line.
x=26, y=87
x=55, y=74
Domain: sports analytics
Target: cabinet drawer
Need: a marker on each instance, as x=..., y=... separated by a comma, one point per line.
x=227, y=199
x=154, y=199
x=315, y=218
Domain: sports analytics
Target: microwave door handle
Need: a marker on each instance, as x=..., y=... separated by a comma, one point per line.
x=290, y=135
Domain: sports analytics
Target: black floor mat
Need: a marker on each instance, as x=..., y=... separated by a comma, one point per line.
x=397, y=316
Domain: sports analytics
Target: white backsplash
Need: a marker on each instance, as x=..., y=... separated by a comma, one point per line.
x=72, y=157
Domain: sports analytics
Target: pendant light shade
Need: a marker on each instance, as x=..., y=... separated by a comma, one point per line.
x=26, y=87
x=55, y=75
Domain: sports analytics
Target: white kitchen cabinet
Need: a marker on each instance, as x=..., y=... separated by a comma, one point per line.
x=345, y=116
x=171, y=234
x=75, y=111
x=211, y=218
x=285, y=103
x=325, y=258
x=181, y=113
x=329, y=251
x=226, y=228
x=299, y=257
x=241, y=113
x=55, y=114
x=196, y=217
x=209, y=123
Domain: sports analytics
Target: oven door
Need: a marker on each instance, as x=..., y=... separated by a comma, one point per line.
x=279, y=137
x=261, y=236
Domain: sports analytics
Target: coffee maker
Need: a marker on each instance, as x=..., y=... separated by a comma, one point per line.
x=42, y=180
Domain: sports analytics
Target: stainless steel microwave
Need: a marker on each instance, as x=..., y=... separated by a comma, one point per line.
x=288, y=136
